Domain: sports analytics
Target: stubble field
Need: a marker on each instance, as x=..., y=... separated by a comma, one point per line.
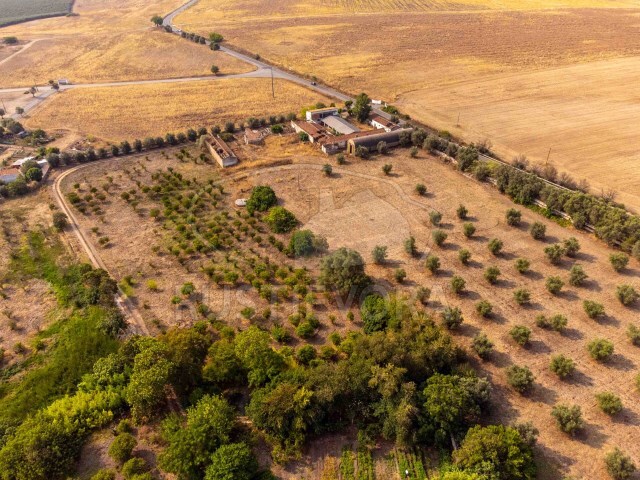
x=539, y=68
x=360, y=207
x=117, y=113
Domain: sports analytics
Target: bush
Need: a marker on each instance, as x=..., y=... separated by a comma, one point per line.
x=633, y=333
x=104, y=474
x=491, y=274
x=462, y=212
x=134, y=468
x=60, y=221
x=468, y=229
x=305, y=330
x=435, y=218
x=281, y=220
x=484, y=308
x=379, y=254
x=571, y=246
x=593, y=309
x=387, y=167
x=635, y=251
x=522, y=265
x=554, y=285
x=399, y=274
x=304, y=243
x=423, y=294
x=609, y=403
x=495, y=246
x=619, y=465
x=522, y=296
x=421, y=189
x=562, y=366
x=568, y=418
x=538, y=230
x=305, y=354
x=233, y=461
x=627, y=295
x=600, y=349
x=556, y=322
x=554, y=253
x=432, y=263
x=439, y=237
x=410, y=246
x=513, y=217
x=327, y=169
x=464, y=256
x=457, y=284
x=577, y=276
x=262, y=198
x=618, y=261
x=520, y=334
x=343, y=271
x=520, y=378
x=451, y=317
x=122, y=447
x=482, y=345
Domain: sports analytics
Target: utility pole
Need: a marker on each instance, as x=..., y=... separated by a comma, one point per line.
x=273, y=88
x=548, y=155
x=458, y=121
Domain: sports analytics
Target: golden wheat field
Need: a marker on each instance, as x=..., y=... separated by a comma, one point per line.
x=108, y=41
x=527, y=75
x=118, y=113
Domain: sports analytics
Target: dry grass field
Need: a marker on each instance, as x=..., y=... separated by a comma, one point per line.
x=360, y=207
x=108, y=41
x=539, y=69
x=117, y=113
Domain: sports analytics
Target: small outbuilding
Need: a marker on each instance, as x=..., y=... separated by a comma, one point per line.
x=340, y=125
x=378, y=121
x=320, y=113
x=313, y=130
x=221, y=151
x=370, y=142
x=253, y=137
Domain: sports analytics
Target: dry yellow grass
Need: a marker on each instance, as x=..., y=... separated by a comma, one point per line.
x=119, y=113
x=108, y=41
x=528, y=80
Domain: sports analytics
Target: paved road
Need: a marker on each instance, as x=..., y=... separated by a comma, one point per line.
x=136, y=322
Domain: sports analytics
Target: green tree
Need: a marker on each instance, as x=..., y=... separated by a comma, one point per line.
x=432, y=263
x=600, y=349
x=619, y=465
x=496, y=452
x=571, y=246
x=491, y=274
x=554, y=285
x=262, y=363
x=593, y=309
x=577, y=276
x=33, y=174
x=457, y=284
x=362, y=107
x=60, y=221
x=157, y=20
x=627, y=295
x=521, y=334
x=562, y=366
x=439, y=237
x=609, y=403
x=464, y=256
x=520, y=378
x=495, y=246
x=568, y=418
x=468, y=229
x=343, y=271
x=451, y=317
x=327, y=169
x=215, y=37
x=379, y=254
x=304, y=243
x=484, y=308
x=538, y=230
x=482, y=345
x=619, y=261
x=374, y=313
x=234, y=461
x=262, y=198
x=513, y=217
x=122, y=447
x=281, y=220
x=522, y=265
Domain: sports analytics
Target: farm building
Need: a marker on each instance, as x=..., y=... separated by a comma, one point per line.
x=331, y=145
x=221, y=151
x=378, y=121
x=22, y=161
x=320, y=113
x=370, y=142
x=8, y=175
x=253, y=137
x=314, y=131
x=339, y=124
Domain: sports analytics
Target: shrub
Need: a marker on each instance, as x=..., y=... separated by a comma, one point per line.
x=343, y=271
x=421, y=189
x=520, y=378
x=593, y=309
x=618, y=261
x=327, y=170
x=464, y=256
x=520, y=334
x=400, y=275
x=468, y=229
x=538, y=230
x=635, y=251
x=484, y=308
x=281, y=220
x=491, y=274
x=522, y=265
x=571, y=246
x=435, y=217
x=600, y=349
x=513, y=217
x=554, y=285
x=577, y=276
x=122, y=447
x=495, y=246
x=568, y=418
x=104, y=474
x=413, y=152
x=633, y=332
x=556, y=322
x=305, y=354
x=432, y=263
x=462, y=212
x=60, y=221
x=482, y=345
x=626, y=294
x=457, y=284
x=609, y=403
x=619, y=465
x=439, y=237
x=554, y=253
x=234, y=461
x=304, y=243
x=423, y=294
x=522, y=296
x=379, y=254
x=134, y=468
x=410, y=246
x=562, y=366
x=387, y=167
x=262, y=198
x=305, y=330
x=451, y=317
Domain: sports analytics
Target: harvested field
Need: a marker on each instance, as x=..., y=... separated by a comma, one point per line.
x=118, y=113
x=360, y=207
x=14, y=11
x=565, y=75
x=108, y=41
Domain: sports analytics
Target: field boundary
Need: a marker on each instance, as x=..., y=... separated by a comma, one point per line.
x=41, y=17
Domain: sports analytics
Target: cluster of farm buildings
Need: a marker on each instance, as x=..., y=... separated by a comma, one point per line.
x=14, y=171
